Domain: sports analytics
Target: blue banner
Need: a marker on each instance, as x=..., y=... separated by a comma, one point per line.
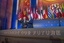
x=33, y=3
x=14, y=14
x=46, y=23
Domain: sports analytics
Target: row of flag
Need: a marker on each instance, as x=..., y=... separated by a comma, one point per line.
x=55, y=11
x=44, y=12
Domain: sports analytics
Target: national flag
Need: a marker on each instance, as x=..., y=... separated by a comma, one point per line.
x=59, y=9
x=62, y=9
x=57, y=5
x=23, y=15
x=38, y=10
x=45, y=12
x=60, y=12
x=24, y=12
x=41, y=12
x=57, y=13
x=34, y=13
x=63, y=14
x=52, y=15
x=27, y=10
x=54, y=5
x=38, y=15
x=30, y=13
x=49, y=12
x=54, y=12
x=35, y=16
x=20, y=16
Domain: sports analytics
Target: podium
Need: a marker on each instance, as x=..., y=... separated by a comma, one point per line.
x=46, y=35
